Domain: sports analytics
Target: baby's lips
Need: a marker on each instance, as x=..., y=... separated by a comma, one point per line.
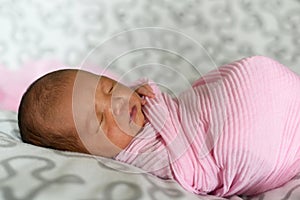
x=132, y=114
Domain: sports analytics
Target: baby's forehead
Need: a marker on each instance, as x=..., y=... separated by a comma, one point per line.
x=88, y=79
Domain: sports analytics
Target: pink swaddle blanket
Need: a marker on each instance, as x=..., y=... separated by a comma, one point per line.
x=235, y=131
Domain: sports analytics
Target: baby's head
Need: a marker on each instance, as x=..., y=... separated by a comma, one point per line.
x=78, y=111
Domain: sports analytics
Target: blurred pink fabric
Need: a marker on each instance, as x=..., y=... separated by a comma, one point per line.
x=14, y=82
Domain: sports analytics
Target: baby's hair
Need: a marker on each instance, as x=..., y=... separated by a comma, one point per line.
x=39, y=107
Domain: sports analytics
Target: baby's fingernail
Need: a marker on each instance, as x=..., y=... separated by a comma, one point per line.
x=143, y=101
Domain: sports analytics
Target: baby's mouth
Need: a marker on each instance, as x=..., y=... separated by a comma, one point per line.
x=133, y=113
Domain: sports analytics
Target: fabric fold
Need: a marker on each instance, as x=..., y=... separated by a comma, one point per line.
x=235, y=131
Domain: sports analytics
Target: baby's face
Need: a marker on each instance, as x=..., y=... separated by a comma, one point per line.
x=106, y=114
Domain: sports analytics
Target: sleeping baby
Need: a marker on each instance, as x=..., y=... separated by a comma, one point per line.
x=235, y=131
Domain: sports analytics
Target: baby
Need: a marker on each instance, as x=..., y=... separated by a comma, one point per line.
x=47, y=113
x=235, y=131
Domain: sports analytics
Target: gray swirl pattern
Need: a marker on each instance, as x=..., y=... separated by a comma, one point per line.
x=67, y=30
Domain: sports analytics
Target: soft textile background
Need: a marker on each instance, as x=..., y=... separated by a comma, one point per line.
x=37, y=36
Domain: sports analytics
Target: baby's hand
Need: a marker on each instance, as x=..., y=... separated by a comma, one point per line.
x=145, y=90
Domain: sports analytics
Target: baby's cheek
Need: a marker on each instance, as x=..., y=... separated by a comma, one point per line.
x=119, y=138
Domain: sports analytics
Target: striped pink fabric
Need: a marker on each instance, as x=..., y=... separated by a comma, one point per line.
x=235, y=131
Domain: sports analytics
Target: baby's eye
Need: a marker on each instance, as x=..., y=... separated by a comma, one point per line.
x=111, y=88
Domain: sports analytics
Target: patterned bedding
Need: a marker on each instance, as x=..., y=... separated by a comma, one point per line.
x=30, y=172
x=37, y=35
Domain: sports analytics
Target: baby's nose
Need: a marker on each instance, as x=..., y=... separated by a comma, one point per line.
x=117, y=104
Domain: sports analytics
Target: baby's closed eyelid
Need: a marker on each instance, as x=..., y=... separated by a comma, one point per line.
x=108, y=88
x=111, y=88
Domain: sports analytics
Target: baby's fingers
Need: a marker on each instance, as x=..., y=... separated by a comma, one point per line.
x=145, y=90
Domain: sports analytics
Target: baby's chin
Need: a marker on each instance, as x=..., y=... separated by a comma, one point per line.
x=132, y=128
